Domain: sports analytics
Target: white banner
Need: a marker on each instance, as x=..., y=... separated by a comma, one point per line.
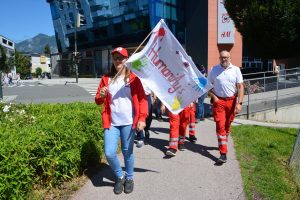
x=225, y=25
x=168, y=71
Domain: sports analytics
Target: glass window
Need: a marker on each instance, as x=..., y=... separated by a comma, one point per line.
x=174, y=14
x=117, y=29
x=117, y=20
x=167, y=14
x=88, y=54
x=54, y=11
x=4, y=41
x=159, y=10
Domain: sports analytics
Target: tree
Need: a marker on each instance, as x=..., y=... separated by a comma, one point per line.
x=3, y=60
x=22, y=64
x=270, y=29
x=47, y=49
x=38, y=71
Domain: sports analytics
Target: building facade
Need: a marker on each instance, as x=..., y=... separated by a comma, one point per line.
x=9, y=47
x=101, y=25
x=40, y=61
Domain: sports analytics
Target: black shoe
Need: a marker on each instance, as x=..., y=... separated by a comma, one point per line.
x=118, y=189
x=222, y=159
x=128, y=186
x=160, y=119
x=192, y=139
x=181, y=147
x=202, y=119
x=171, y=152
x=147, y=134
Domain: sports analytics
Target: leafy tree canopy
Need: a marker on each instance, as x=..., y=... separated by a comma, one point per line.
x=22, y=64
x=47, y=50
x=270, y=28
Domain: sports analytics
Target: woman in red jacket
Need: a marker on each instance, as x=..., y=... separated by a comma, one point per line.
x=124, y=110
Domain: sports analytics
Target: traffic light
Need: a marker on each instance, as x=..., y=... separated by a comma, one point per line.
x=77, y=56
x=80, y=20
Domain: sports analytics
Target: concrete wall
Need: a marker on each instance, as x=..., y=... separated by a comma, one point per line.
x=288, y=114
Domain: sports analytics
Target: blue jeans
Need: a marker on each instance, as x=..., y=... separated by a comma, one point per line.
x=157, y=108
x=200, y=107
x=111, y=138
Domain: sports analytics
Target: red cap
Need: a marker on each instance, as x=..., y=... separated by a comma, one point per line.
x=121, y=51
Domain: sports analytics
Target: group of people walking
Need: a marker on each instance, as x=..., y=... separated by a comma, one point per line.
x=127, y=110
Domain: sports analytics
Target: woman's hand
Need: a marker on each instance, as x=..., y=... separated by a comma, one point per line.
x=103, y=92
x=140, y=126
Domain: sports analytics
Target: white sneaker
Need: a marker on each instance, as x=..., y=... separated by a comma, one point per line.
x=139, y=143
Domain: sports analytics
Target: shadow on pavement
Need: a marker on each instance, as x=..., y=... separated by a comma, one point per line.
x=158, y=144
x=203, y=150
x=103, y=175
x=158, y=130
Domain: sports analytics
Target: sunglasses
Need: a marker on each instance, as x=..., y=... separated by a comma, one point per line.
x=118, y=57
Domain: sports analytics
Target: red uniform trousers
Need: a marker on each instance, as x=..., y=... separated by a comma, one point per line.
x=192, y=120
x=224, y=112
x=178, y=124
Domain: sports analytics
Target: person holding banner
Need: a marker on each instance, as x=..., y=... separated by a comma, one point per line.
x=226, y=97
x=124, y=111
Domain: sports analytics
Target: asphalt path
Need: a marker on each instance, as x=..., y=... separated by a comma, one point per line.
x=191, y=174
x=35, y=92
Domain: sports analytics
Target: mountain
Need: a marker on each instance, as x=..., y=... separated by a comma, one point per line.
x=37, y=44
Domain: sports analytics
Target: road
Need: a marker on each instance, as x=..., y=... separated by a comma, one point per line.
x=50, y=92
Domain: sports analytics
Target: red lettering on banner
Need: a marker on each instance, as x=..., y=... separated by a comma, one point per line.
x=153, y=54
x=225, y=34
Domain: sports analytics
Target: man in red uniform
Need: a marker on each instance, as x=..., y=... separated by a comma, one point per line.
x=227, y=97
x=178, y=125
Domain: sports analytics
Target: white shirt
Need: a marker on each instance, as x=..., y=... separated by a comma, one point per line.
x=225, y=80
x=121, y=103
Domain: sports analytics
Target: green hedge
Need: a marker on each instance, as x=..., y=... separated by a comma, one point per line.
x=46, y=144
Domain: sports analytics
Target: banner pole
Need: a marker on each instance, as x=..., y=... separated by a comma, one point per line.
x=142, y=42
x=132, y=54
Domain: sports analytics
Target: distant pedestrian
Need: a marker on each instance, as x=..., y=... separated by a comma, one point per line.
x=157, y=108
x=226, y=97
x=144, y=136
x=18, y=78
x=124, y=112
x=10, y=77
x=200, y=104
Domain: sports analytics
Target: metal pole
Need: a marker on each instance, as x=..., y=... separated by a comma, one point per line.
x=285, y=79
x=248, y=106
x=276, y=101
x=75, y=39
x=1, y=92
x=264, y=82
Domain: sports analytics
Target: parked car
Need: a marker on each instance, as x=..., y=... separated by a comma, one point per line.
x=28, y=77
x=46, y=75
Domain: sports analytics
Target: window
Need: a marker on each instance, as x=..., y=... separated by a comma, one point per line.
x=10, y=43
x=4, y=41
x=88, y=54
x=118, y=29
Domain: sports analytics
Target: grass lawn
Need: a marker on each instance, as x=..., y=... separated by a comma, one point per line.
x=263, y=154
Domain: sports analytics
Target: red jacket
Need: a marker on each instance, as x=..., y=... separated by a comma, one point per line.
x=139, y=101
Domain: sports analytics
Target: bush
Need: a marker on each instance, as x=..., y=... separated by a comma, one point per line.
x=38, y=71
x=46, y=144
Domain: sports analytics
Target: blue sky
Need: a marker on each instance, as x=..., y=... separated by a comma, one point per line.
x=24, y=19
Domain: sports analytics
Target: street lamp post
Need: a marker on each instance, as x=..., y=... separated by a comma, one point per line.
x=75, y=39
